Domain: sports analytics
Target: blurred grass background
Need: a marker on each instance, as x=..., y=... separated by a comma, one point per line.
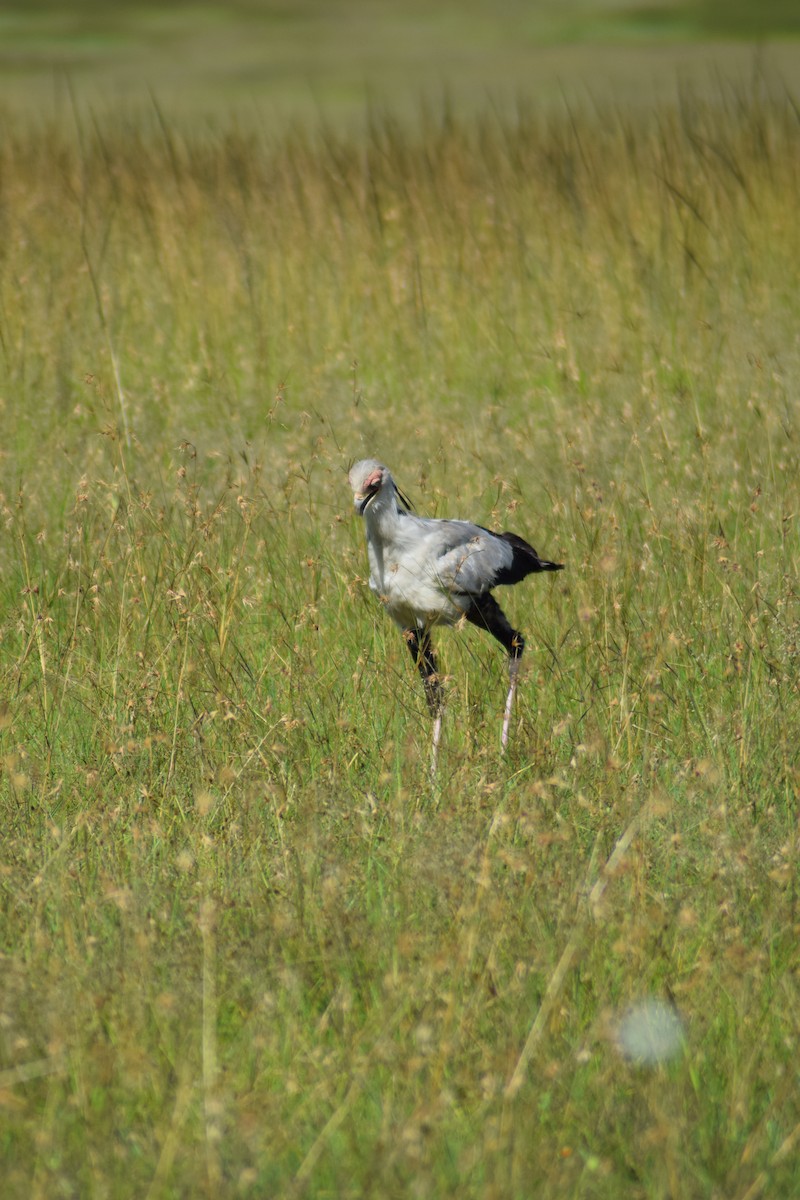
x=273, y=62
x=247, y=947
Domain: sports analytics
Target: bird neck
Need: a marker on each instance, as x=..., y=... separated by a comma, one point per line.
x=383, y=514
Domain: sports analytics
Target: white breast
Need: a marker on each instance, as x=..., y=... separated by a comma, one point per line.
x=403, y=575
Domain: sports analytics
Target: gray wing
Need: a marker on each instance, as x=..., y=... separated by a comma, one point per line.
x=465, y=559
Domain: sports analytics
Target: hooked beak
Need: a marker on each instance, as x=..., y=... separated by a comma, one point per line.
x=372, y=485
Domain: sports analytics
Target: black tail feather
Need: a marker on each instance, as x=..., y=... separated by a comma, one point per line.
x=525, y=562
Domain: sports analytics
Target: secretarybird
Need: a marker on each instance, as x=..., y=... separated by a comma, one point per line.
x=432, y=572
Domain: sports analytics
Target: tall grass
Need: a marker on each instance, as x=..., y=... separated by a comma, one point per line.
x=248, y=947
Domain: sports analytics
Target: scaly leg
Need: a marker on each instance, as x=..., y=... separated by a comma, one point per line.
x=487, y=614
x=419, y=643
x=437, y=733
x=513, y=671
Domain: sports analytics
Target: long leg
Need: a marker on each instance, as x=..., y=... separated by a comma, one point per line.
x=419, y=643
x=487, y=614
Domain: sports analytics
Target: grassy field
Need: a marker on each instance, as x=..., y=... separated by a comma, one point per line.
x=248, y=948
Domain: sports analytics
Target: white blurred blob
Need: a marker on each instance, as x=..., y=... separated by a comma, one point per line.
x=650, y=1032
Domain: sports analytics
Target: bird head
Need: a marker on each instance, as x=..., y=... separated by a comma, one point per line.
x=367, y=479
